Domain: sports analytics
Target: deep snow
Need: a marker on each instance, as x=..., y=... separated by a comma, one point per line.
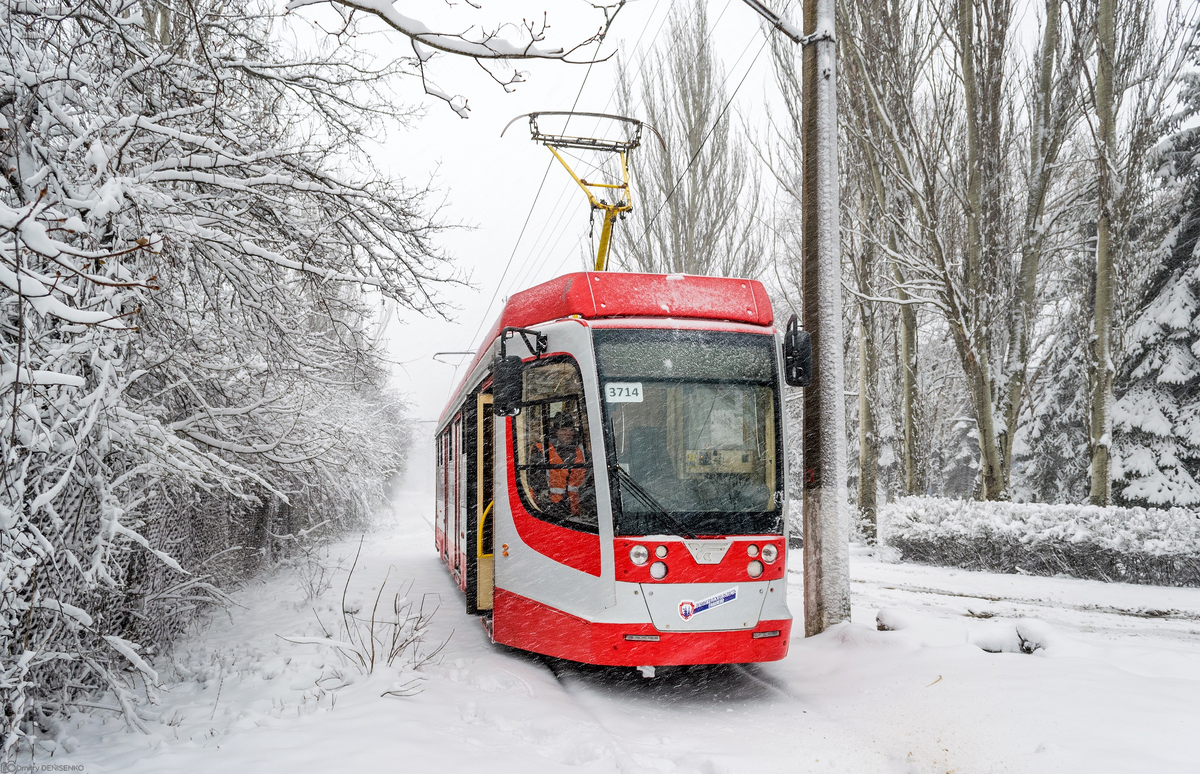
x=1112, y=684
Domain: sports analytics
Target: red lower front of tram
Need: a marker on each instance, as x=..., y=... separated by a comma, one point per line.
x=528, y=625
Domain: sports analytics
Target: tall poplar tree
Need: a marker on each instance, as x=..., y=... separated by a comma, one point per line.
x=699, y=209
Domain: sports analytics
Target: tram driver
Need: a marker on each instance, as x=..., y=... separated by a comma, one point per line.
x=565, y=465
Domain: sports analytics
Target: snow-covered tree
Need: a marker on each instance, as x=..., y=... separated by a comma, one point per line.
x=190, y=277
x=1050, y=451
x=1157, y=414
x=699, y=209
x=976, y=150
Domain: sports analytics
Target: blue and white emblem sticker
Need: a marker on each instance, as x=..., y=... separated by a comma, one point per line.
x=688, y=608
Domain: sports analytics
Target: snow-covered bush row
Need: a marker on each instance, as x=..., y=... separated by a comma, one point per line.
x=1134, y=545
x=189, y=284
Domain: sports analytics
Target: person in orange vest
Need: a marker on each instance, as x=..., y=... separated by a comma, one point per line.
x=563, y=479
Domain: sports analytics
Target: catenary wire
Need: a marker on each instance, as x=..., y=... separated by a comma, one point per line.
x=539, y=259
x=700, y=147
x=534, y=259
x=487, y=310
x=541, y=252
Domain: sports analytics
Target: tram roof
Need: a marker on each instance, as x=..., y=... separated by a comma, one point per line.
x=593, y=295
x=599, y=295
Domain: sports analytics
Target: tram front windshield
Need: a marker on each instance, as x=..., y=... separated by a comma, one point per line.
x=691, y=419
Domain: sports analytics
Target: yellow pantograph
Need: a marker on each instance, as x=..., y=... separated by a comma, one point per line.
x=612, y=210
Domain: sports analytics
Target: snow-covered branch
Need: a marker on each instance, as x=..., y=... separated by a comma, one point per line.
x=503, y=42
x=191, y=268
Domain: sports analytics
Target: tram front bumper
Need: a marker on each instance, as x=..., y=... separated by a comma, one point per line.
x=523, y=623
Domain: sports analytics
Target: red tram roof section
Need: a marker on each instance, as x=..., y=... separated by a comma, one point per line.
x=596, y=295
x=592, y=295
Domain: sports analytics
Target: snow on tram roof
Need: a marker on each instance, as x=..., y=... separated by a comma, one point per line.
x=593, y=295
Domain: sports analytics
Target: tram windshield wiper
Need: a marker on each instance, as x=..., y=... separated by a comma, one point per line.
x=648, y=500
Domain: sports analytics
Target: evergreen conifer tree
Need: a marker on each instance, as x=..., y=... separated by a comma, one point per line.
x=1156, y=418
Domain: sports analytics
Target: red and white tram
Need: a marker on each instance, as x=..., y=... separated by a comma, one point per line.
x=610, y=472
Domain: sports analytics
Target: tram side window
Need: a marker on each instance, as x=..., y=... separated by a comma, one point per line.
x=553, y=450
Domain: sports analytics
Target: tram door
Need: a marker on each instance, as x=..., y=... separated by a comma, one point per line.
x=439, y=497
x=484, y=484
x=457, y=534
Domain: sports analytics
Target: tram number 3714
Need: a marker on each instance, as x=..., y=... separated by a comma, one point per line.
x=623, y=392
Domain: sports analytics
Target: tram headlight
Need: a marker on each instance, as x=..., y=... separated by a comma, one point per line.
x=658, y=570
x=770, y=553
x=755, y=569
x=639, y=555
x=752, y=550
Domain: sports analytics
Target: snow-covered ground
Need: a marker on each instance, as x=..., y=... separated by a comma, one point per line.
x=1112, y=684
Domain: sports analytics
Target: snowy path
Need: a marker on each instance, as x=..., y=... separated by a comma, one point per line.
x=1117, y=610
x=1115, y=687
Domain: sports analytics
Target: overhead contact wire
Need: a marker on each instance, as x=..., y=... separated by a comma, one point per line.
x=700, y=147
x=542, y=259
x=487, y=310
x=538, y=254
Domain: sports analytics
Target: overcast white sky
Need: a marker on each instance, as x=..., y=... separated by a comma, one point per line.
x=490, y=182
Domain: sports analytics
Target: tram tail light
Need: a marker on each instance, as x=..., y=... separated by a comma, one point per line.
x=658, y=570
x=755, y=569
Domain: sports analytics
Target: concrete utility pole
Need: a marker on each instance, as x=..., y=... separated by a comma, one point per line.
x=826, y=510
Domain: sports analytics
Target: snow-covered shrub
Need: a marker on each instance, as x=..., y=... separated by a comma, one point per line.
x=189, y=281
x=392, y=635
x=310, y=564
x=1134, y=545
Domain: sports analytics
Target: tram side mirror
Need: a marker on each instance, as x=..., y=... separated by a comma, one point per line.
x=506, y=385
x=797, y=355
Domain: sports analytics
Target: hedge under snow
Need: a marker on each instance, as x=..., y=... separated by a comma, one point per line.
x=1133, y=545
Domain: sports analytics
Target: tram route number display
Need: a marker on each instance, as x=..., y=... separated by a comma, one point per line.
x=623, y=392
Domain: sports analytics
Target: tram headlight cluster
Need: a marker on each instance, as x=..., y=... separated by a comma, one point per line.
x=769, y=554
x=639, y=555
